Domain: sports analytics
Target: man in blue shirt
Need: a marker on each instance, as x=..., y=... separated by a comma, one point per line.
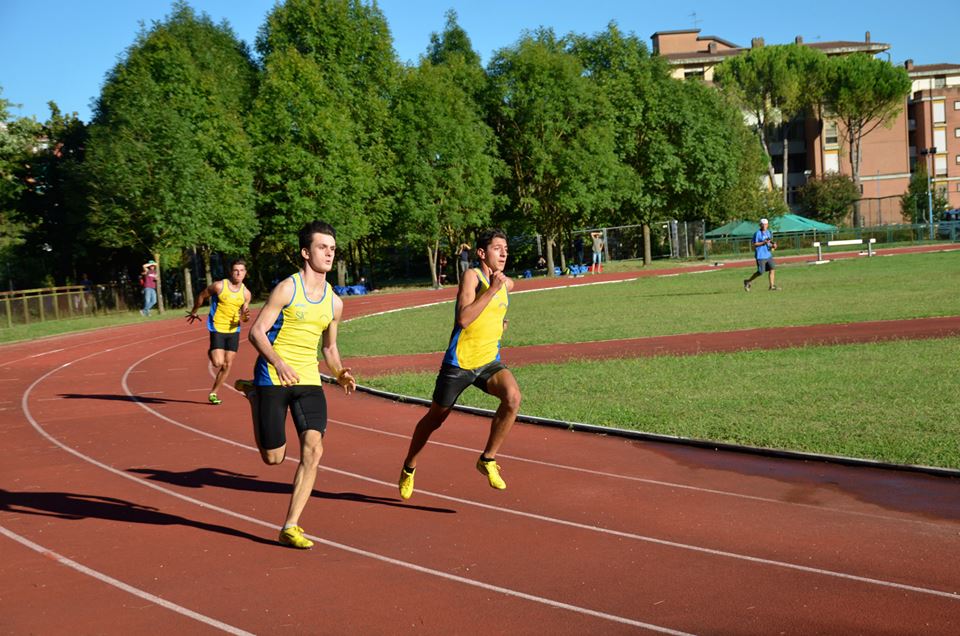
x=764, y=245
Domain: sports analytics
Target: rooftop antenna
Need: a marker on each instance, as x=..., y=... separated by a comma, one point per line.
x=696, y=21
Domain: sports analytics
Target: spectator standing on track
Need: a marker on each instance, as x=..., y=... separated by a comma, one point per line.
x=148, y=280
x=229, y=306
x=301, y=314
x=473, y=357
x=764, y=245
x=597, y=238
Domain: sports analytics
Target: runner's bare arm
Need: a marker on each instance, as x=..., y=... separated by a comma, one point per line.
x=211, y=290
x=331, y=353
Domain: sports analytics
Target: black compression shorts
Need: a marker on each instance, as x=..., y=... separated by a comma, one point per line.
x=225, y=341
x=452, y=381
x=308, y=408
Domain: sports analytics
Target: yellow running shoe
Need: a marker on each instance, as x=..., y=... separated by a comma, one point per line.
x=492, y=470
x=214, y=399
x=244, y=386
x=293, y=537
x=406, y=483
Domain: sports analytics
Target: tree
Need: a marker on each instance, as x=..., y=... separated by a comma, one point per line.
x=915, y=202
x=18, y=139
x=169, y=159
x=829, y=198
x=349, y=44
x=863, y=92
x=680, y=142
x=774, y=84
x=556, y=136
x=445, y=160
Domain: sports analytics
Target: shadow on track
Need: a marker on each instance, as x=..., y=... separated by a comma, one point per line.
x=219, y=478
x=126, y=398
x=75, y=507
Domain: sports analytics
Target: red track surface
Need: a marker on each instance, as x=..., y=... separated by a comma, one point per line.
x=165, y=494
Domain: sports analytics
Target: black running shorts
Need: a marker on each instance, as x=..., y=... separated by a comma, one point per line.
x=452, y=381
x=308, y=408
x=225, y=341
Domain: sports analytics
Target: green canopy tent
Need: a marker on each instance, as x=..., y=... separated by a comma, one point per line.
x=786, y=224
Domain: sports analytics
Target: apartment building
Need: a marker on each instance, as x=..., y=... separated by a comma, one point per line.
x=889, y=153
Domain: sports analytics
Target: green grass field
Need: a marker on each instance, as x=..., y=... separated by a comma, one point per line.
x=881, y=288
x=889, y=401
x=893, y=401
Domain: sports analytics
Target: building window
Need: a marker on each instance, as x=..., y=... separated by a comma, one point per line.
x=831, y=162
x=940, y=139
x=956, y=105
x=693, y=73
x=940, y=165
x=940, y=82
x=958, y=160
x=956, y=133
x=830, y=137
x=939, y=112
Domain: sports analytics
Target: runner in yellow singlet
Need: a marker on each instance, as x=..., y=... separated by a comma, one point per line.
x=473, y=357
x=229, y=306
x=300, y=317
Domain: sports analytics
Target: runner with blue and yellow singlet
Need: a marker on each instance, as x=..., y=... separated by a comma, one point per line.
x=300, y=317
x=473, y=357
x=229, y=306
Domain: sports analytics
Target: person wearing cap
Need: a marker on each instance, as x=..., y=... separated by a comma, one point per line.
x=148, y=280
x=764, y=245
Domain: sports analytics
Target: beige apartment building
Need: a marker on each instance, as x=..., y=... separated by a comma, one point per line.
x=930, y=118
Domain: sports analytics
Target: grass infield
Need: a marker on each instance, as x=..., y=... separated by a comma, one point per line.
x=853, y=290
x=892, y=401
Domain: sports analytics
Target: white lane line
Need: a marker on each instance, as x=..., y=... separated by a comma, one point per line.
x=45, y=353
x=109, y=580
x=652, y=482
x=333, y=544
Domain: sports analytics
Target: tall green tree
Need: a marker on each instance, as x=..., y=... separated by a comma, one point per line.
x=680, y=142
x=18, y=140
x=556, y=136
x=169, y=159
x=56, y=200
x=349, y=44
x=774, y=84
x=446, y=161
x=863, y=93
x=915, y=203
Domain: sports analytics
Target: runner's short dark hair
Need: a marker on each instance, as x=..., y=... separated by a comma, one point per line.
x=311, y=228
x=237, y=261
x=484, y=240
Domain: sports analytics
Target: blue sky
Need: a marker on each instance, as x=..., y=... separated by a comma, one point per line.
x=61, y=50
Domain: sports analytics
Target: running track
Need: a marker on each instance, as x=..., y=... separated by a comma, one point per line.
x=127, y=505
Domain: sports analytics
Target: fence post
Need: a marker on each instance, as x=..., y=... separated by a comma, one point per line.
x=9, y=310
x=55, y=297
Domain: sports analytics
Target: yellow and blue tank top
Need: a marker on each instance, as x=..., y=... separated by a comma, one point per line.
x=296, y=334
x=224, y=316
x=478, y=343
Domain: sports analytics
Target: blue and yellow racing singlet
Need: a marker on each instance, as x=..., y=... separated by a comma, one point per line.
x=479, y=343
x=296, y=334
x=224, y=316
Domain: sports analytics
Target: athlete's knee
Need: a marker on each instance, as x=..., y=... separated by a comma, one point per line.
x=512, y=399
x=273, y=456
x=311, y=449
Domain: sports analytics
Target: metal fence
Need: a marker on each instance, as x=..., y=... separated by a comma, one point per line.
x=685, y=240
